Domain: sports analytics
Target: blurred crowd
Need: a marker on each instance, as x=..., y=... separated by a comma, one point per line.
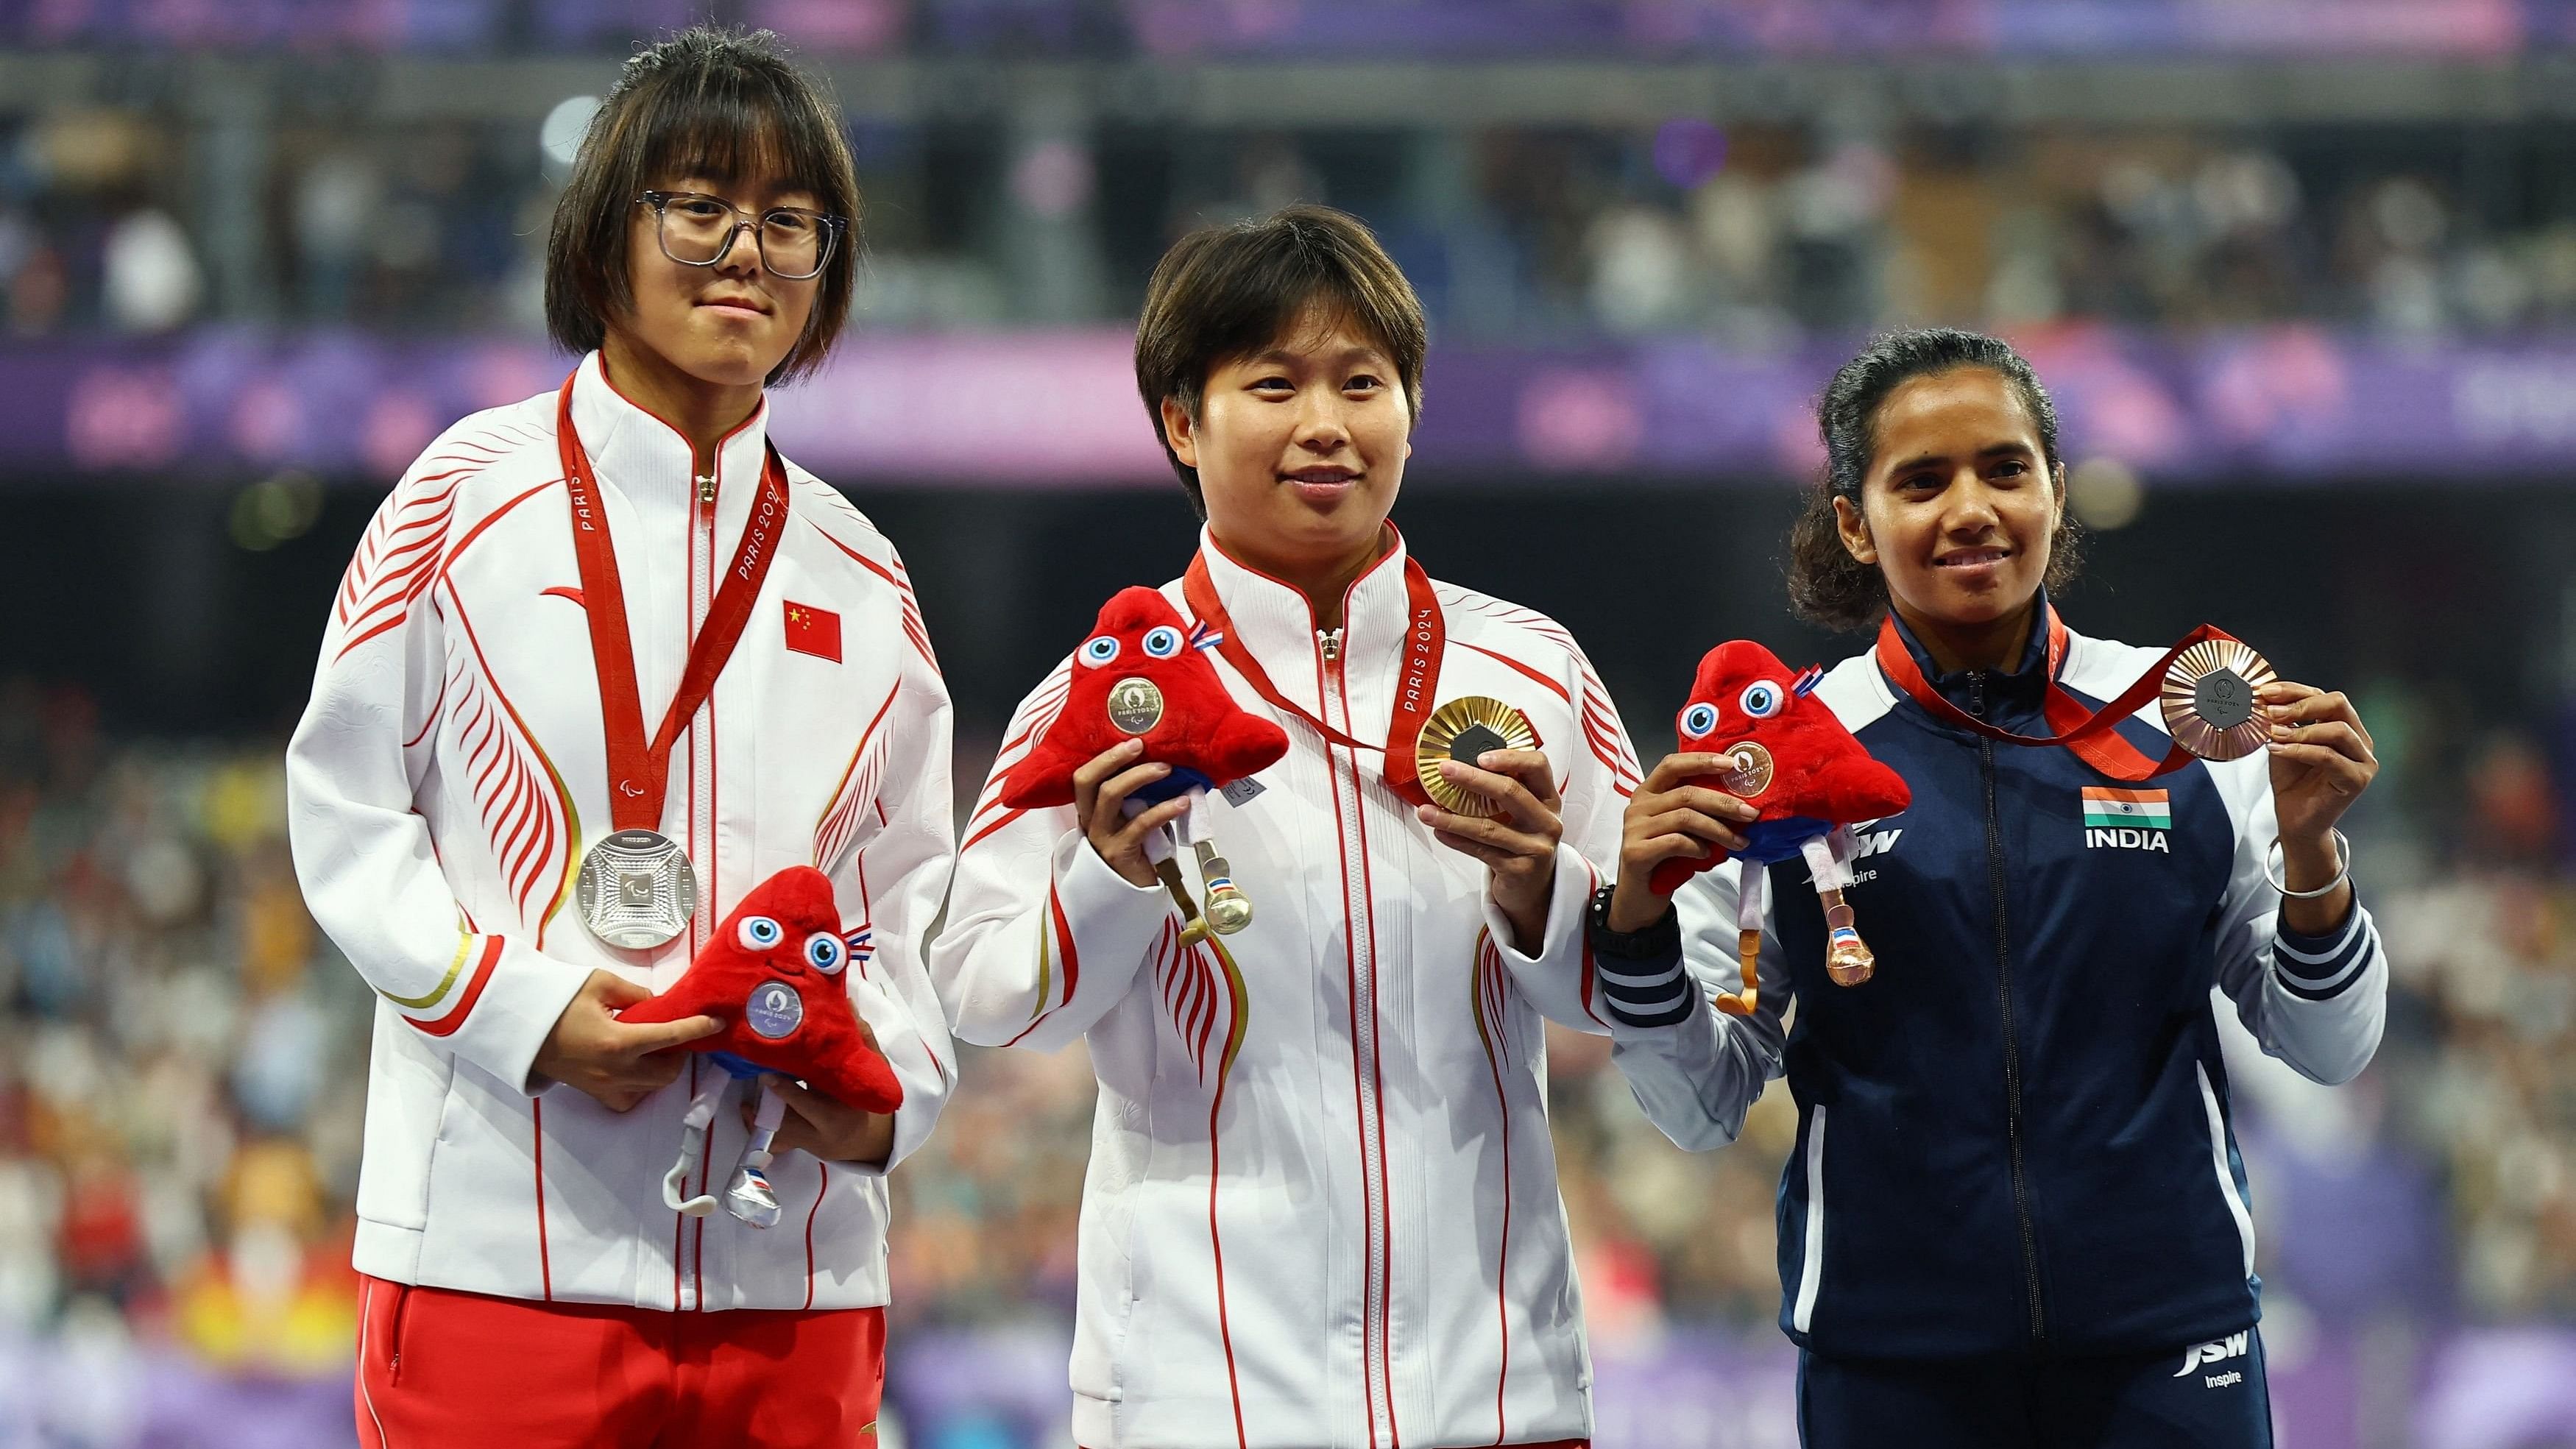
x=129, y=221
x=182, y=1056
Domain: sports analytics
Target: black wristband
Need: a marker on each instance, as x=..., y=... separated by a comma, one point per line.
x=1662, y=939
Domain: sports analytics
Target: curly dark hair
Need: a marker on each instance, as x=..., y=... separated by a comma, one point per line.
x=1827, y=586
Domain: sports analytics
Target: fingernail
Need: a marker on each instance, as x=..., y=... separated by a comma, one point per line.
x=2280, y=732
x=1486, y=760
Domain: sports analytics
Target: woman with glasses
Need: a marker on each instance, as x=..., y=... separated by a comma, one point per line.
x=603, y=663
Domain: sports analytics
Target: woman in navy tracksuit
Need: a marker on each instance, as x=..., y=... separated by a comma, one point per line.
x=2016, y=1214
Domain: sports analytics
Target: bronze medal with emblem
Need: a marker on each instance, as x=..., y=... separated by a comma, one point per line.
x=1135, y=704
x=2210, y=699
x=636, y=889
x=1463, y=730
x=1748, y=773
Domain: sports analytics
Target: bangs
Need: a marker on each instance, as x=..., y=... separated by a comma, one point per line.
x=732, y=127
x=1256, y=323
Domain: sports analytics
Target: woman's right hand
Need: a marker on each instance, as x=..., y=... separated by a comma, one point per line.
x=617, y=1063
x=1100, y=791
x=1671, y=818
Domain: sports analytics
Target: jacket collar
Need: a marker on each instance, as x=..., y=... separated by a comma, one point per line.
x=1272, y=619
x=2022, y=688
x=650, y=461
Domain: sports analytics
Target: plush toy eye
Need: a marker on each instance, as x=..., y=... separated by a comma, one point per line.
x=1699, y=719
x=1761, y=699
x=759, y=933
x=1163, y=641
x=1099, y=649
x=825, y=953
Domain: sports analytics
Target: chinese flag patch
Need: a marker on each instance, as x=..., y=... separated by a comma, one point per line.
x=814, y=631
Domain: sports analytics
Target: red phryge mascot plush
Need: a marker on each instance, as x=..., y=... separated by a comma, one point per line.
x=773, y=974
x=1795, y=760
x=1144, y=672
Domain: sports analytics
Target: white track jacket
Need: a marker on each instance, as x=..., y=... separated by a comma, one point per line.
x=1322, y=1204
x=449, y=772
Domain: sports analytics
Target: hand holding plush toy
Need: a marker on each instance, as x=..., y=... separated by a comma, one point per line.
x=772, y=973
x=1811, y=780
x=1144, y=673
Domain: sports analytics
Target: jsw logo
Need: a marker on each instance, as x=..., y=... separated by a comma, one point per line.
x=2214, y=1351
x=1871, y=842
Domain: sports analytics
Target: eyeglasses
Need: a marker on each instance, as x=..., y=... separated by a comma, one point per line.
x=697, y=230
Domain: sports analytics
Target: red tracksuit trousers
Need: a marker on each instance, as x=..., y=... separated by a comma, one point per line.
x=438, y=1368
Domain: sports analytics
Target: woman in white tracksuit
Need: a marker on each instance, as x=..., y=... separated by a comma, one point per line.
x=1322, y=1203
x=628, y=545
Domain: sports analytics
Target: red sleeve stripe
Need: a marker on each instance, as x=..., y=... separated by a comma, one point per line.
x=447, y=1025
x=1552, y=685
x=998, y=821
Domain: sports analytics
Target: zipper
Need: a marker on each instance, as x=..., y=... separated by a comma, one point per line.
x=702, y=555
x=1381, y=1391
x=2003, y=1002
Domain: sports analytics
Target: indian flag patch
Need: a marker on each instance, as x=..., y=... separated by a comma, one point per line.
x=2105, y=807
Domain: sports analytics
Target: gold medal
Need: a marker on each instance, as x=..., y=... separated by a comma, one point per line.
x=1135, y=705
x=1463, y=730
x=636, y=889
x=1750, y=774
x=2210, y=700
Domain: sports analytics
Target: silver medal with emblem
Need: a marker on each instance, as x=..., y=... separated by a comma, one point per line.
x=774, y=1011
x=636, y=889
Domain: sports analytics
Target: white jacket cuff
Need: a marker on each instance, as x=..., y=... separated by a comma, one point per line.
x=1111, y=917
x=515, y=1014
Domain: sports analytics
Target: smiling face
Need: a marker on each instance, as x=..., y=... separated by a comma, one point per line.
x=1960, y=503
x=728, y=324
x=1299, y=448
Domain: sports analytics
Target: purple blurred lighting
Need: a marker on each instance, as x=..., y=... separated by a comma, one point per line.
x=1688, y=151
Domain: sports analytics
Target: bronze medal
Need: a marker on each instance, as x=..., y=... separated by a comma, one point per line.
x=1463, y=730
x=2211, y=696
x=1751, y=773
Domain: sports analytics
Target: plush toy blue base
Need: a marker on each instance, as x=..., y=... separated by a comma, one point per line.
x=736, y=1067
x=1773, y=841
x=1182, y=780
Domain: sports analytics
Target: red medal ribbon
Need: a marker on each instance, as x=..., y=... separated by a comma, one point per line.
x=639, y=772
x=2089, y=733
x=1426, y=636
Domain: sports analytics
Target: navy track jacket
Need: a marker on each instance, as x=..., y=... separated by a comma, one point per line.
x=2014, y=1138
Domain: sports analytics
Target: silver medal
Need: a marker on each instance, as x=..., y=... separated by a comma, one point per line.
x=636, y=889
x=774, y=1011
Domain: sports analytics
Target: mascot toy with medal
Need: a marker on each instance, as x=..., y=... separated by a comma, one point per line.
x=1812, y=781
x=773, y=973
x=1144, y=673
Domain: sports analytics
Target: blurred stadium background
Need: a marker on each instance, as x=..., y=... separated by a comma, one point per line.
x=2302, y=273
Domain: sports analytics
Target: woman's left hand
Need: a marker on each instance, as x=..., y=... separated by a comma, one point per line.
x=2321, y=760
x=818, y=1125
x=1518, y=846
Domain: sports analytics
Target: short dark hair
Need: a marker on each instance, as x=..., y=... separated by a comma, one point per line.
x=723, y=103
x=1225, y=292
x=1827, y=585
